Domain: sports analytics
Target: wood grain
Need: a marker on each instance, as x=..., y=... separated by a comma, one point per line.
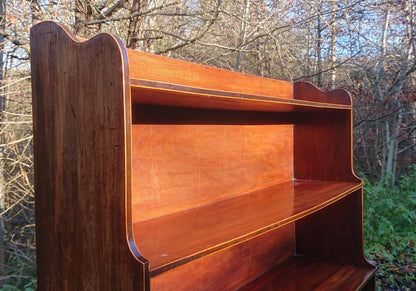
x=215, y=226
x=80, y=131
x=304, y=273
x=233, y=267
x=177, y=167
x=309, y=92
x=157, y=93
x=334, y=233
x=150, y=67
x=323, y=146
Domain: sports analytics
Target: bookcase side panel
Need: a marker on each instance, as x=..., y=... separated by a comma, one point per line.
x=323, y=139
x=334, y=233
x=323, y=146
x=80, y=163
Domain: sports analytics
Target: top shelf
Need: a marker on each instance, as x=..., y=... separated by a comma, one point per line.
x=157, y=93
x=158, y=80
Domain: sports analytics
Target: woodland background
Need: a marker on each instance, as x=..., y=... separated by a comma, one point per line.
x=366, y=47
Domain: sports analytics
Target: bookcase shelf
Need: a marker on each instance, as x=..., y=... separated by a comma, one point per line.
x=208, y=228
x=157, y=93
x=303, y=273
x=158, y=174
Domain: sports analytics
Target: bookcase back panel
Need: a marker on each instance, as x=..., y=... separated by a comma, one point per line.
x=176, y=167
x=150, y=67
x=231, y=268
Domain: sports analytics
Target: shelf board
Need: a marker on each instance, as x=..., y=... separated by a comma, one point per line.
x=303, y=273
x=175, y=239
x=157, y=93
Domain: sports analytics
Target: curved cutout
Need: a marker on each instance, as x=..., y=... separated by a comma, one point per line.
x=309, y=92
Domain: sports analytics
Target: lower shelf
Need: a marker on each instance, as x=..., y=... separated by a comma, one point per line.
x=175, y=239
x=303, y=273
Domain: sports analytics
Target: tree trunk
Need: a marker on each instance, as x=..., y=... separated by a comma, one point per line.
x=35, y=11
x=319, y=45
x=333, y=42
x=83, y=12
x=242, y=38
x=392, y=151
x=2, y=108
x=135, y=23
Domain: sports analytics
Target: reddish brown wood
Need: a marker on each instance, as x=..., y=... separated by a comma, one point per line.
x=224, y=175
x=323, y=146
x=150, y=92
x=80, y=107
x=215, y=226
x=205, y=163
x=309, y=92
x=233, y=267
x=149, y=67
x=342, y=230
x=159, y=114
x=304, y=273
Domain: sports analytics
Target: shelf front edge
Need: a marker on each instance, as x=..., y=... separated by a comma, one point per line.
x=160, y=263
x=157, y=93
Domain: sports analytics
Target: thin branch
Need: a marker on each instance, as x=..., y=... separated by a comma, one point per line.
x=198, y=37
x=14, y=82
x=133, y=15
x=16, y=141
x=329, y=69
x=406, y=148
x=108, y=11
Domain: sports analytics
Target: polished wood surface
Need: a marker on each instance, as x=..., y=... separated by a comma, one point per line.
x=323, y=146
x=79, y=110
x=304, y=273
x=209, y=228
x=194, y=165
x=156, y=93
x=148, y=67
x=220, y=179
x=323, y=140
x=343, y=231
x=233, y=267
x=309, y=92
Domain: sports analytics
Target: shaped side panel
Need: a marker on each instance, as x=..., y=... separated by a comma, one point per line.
x=81, y=109
x=309, y=92
x=323, y=139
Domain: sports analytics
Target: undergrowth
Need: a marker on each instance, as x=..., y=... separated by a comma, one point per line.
x=389, y=231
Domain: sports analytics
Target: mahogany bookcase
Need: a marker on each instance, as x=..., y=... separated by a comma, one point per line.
x=155, y=173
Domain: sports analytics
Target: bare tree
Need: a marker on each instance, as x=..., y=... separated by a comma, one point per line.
x=389, y=72
x=2, y=107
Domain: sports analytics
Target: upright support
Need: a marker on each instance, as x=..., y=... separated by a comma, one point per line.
x=81, y=109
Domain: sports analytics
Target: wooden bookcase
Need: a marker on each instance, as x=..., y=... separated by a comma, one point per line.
x=154, y=173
